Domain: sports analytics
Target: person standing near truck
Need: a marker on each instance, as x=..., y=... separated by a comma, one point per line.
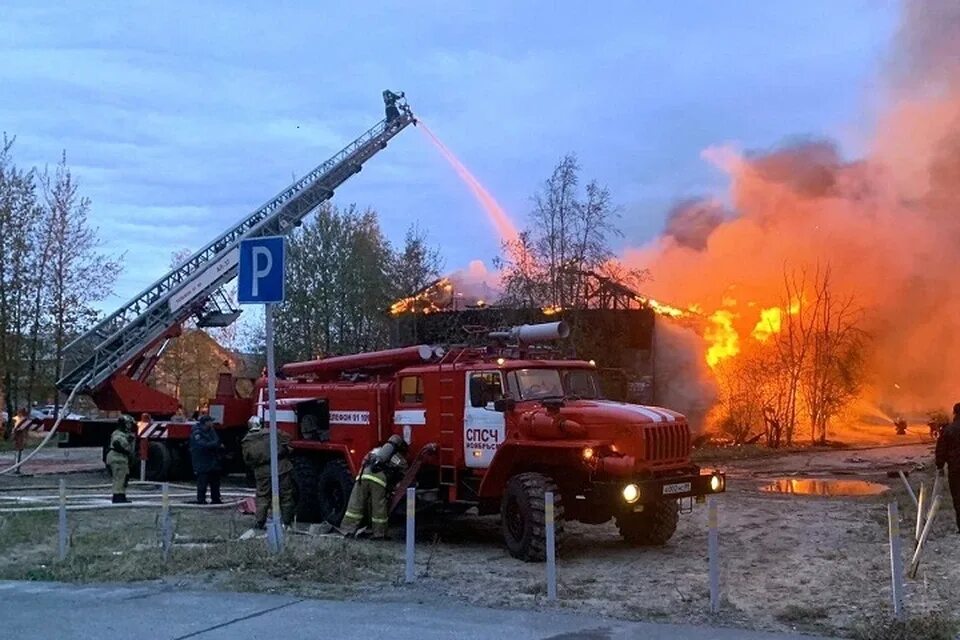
x=120, y=455
x=379, y=473
x=205, y=456
x=256, y=455
x=948, y=453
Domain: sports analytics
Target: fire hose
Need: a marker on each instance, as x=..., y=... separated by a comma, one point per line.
x=56, y=425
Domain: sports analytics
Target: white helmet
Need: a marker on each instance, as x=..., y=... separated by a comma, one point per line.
x=255, y=423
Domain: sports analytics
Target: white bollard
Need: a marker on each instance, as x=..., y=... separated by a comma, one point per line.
x=411, y=532
x=551, y=546
x=166, y=528
x=921, y=505
x=906, y=483
x=62, y=522
x=713, y=548
x=915, y=562
x=896, y=559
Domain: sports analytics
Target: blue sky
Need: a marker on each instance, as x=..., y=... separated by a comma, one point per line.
x=179, y=118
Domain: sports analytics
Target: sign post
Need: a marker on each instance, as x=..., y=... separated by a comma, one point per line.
x=261, y=281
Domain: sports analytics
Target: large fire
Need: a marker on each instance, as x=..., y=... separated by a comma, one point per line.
x=886, y=226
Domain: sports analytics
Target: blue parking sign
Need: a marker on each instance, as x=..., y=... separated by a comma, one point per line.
x=261, y=277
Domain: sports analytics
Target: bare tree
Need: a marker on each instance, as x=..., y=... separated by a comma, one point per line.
x=80, y=274
x=570, y=235
x=835, y=373
x=19, y=211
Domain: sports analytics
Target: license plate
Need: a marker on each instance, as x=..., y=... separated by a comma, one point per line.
x=679, y=487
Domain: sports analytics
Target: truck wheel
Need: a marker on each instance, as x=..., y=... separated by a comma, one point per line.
x=655, y=525
x=522, y=517
x=334, y=489
x=159, y=461
x=306, y=475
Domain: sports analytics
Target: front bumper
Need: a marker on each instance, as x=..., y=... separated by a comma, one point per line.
x=652, y=490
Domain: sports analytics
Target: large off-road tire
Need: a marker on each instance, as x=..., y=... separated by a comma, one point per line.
x=306, y=475
x=522, y=517
x=653, y=526
x=334, y=487
x=160, y=461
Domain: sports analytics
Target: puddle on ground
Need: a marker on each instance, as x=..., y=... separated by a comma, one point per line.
x=824, y=487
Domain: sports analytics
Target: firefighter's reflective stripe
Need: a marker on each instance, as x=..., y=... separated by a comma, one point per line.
x=379, y=520
x=352, y=514
x=379, y=481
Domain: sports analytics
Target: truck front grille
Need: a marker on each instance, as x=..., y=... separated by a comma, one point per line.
x=666, y=442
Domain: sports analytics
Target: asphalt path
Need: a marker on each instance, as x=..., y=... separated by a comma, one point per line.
x=40, y=611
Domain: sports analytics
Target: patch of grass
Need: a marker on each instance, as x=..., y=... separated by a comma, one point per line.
x=123, y=546
x=800, y=615
x=933, y=626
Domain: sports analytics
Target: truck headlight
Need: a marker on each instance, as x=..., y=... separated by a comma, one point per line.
x=631, y=493
x=716, y=483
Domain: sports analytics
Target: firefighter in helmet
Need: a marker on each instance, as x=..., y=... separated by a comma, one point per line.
x=256, y=455
x=379, y=473
x=948, y=454
x=390, y=104
x=120, y=455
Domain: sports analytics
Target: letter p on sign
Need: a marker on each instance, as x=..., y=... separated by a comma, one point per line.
x=261, y=276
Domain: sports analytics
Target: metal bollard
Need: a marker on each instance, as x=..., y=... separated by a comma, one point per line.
x=411, y=532
x=896, y=559
x=713, y=549
x=551, y=546
x=906, y=484
x=166, y=526
x=62, y=524
x=915, y=562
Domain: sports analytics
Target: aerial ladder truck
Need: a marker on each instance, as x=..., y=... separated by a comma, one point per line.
x=112, y=362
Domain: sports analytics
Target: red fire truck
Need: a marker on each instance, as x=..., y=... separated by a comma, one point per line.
x=492, y=428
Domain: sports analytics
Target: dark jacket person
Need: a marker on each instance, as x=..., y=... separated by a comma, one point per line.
x=205, y=456
x=948, y=453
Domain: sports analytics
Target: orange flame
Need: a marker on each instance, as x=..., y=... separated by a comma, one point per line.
x=722, y=336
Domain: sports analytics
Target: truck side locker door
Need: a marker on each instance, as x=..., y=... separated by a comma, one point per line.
x=483, y=427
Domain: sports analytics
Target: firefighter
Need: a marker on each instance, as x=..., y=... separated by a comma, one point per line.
x=20, y=434
x=379, y=473
x=205, y=456
x=120, y=455
x=256, y=455
x=948, y=453
x=143, y=423
x=390, y=104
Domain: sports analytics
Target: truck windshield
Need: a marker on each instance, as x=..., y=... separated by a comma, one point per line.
x=533, y=384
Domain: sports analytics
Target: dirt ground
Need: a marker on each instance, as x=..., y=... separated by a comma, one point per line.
x=812, y=564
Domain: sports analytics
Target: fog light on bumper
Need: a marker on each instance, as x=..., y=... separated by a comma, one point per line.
x=716, y=483
x=631, y=493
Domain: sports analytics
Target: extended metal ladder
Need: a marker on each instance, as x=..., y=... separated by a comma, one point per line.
x=194, y=288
